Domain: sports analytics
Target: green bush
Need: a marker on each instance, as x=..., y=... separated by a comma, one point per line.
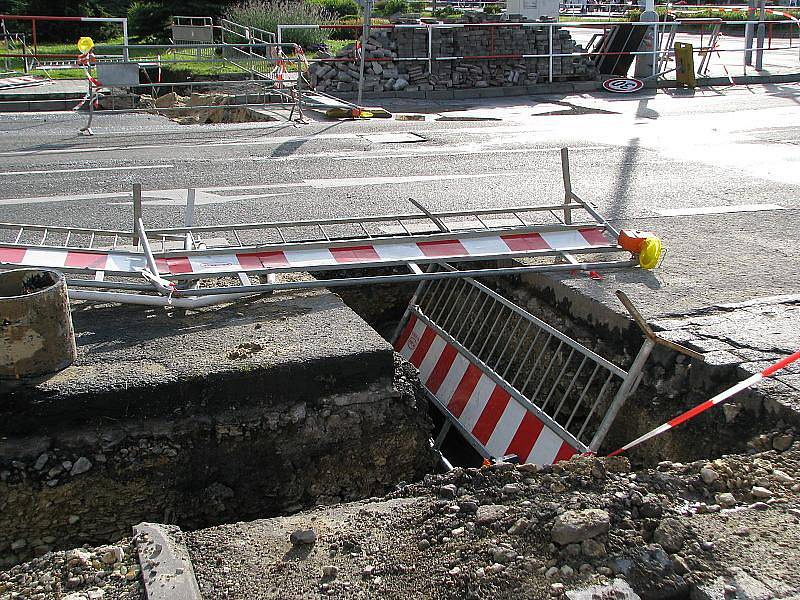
x=346, y=33
x=339, y=8
x=446, y=11
x=418, y=7
x=149, y=21
x=492, y=9
x=388, y=8
x=268, y=14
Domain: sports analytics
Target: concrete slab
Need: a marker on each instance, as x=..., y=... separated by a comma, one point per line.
x=123, y=349
x=166, y=567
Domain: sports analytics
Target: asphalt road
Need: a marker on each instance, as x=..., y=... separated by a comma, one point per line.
x=717, y=171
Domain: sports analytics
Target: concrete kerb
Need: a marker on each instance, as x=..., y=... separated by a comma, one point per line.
x=564, y=87
x=167, y=570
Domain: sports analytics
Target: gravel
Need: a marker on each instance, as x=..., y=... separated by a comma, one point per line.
x=108, y=572
x=466, y=534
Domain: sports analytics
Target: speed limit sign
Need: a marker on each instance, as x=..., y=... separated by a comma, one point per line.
x=622, y=85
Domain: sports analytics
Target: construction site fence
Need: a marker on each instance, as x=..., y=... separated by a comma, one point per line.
x=709, y=32
x=35, y=20
x=246, y=57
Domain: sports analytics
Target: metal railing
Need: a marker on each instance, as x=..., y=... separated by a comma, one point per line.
x=259, y=62
x=706, y=43
x=542, y=367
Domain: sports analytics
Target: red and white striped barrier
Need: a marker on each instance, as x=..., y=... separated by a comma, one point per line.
x=719, y=398
x=22, y=81
x=484, y=409
x=484, y=246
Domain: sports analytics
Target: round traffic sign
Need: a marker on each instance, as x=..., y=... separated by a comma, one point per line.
x=85, y=44
x=623, y=85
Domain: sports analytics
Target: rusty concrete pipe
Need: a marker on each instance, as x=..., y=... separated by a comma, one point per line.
x=36, y=334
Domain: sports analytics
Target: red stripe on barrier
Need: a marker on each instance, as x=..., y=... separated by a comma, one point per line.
x=594, y=236
x=525, y=437
x=491, y=414
x=781, y=364
x=464, y=390
x=442, y=248
x=262, y=260
x=690, y=413
x=401, y=341
x=86, y=260
x=525, y=241
x=174, y=266
x=422, y=347
x=564, y=452
x=441, y=369
x=12, y=256
x=355, y=254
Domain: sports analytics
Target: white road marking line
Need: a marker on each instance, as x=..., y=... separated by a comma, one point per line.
x=86, y=170
x=397, y=137
x=273, y=141
x=717, y=210
x=211, y=195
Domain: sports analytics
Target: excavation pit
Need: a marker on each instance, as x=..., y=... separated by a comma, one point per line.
x=671, y=382
x=278, y=404
x=239, y=412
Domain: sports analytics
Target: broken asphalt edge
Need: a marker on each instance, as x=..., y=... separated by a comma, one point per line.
x=167, y=570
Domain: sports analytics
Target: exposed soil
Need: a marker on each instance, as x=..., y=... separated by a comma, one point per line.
x=729, y=528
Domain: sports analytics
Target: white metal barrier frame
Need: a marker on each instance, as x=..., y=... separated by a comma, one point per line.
x=34, y=19
x=658, y=54
x=495, y=372
x=162, y=266
x=510, y=383
x=288, y=95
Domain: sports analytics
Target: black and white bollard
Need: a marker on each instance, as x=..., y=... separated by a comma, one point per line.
x=36, y=335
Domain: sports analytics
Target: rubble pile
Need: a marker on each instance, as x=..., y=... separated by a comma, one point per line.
x=197, y=108
x=397, y=59
x=101, y=573
x=584, y=528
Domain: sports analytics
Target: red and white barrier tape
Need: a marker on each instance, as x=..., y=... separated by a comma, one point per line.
x=719, y=398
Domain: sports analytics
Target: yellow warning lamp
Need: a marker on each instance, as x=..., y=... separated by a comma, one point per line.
x=643, y=243
x=85, y=44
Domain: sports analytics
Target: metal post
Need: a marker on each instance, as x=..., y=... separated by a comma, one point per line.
x=748, y=33
x=364, y=38
x=87, y=129
x=656, y=48
x=567, y=185
x=430, y=49
x=550, y=42
x=188, y=217
x=628, y=387
x=125, y=54
x=137, y=209
x=760, y=35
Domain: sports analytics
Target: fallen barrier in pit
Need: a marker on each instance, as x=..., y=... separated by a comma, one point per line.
x=165, y=266
x=512, y=385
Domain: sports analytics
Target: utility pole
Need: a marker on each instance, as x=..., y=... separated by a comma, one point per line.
x=367, y=4
x=760, y=34
x=748, y=32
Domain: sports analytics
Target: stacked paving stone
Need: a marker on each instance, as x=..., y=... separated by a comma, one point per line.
x=393, y=52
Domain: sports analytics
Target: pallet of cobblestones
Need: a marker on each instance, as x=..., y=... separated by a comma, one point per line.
x=506, y=55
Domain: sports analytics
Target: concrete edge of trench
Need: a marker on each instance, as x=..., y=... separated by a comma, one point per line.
x=167, y=571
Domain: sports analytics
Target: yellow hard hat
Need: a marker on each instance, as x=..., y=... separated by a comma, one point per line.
x=85, y=44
